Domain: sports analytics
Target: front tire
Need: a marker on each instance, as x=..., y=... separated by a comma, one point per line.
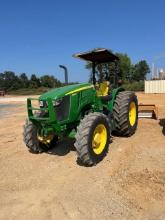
x=30, y=136
x=125, y=112
x=92, y=138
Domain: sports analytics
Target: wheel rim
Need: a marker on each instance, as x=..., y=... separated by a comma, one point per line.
x=99, y=139
x=45, y=140
x=132, y=113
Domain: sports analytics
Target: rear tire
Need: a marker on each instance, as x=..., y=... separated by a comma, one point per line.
x=92, y=138
x=125, y=112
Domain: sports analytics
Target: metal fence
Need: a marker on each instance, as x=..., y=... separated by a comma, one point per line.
x=155, y=86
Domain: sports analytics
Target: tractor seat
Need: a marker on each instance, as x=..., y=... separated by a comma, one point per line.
x=103, y=89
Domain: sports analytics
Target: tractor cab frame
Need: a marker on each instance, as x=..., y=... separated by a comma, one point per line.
x=101, y=56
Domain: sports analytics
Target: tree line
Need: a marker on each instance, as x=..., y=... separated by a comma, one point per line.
x=10, y=81
x=127, y=71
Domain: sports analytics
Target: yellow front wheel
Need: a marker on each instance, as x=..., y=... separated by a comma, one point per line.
x=92, y=138
x=99, y=139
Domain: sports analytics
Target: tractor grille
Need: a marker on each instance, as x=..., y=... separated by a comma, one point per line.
x=62, y=111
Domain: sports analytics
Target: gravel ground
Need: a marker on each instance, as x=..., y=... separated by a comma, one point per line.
x=9, y=99
x=128, y=184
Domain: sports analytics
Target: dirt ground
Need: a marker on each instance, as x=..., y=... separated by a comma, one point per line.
x=128, y=184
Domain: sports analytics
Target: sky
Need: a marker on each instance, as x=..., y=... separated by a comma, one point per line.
x=38, y=35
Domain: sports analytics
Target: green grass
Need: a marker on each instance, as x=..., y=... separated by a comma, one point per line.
x=134, y=86
x=28, y=91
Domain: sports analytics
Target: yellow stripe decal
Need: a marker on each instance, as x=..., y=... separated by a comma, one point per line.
x=78, y=90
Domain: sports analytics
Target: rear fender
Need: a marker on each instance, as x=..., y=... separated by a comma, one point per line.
x=115, y=92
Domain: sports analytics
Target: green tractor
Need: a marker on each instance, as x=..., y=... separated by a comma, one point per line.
x=88, y=112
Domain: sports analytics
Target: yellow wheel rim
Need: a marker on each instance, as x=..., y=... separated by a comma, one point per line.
x=132, y=113
x=99, y=139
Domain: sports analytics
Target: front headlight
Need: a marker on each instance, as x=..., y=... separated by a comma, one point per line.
x=57, y=102
x=43, y=104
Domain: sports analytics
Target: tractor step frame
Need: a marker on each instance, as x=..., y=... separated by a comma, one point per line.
x=147, y=111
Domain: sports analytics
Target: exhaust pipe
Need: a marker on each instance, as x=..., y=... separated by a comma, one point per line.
x=65, y=73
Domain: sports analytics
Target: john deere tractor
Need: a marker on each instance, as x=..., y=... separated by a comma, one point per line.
x=88, y=112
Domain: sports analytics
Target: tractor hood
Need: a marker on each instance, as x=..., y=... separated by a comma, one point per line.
x=66, y=90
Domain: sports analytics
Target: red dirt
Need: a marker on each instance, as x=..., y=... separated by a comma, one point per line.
x=128, y=184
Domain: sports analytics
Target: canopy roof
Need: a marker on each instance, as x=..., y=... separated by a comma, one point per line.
x=98, y=56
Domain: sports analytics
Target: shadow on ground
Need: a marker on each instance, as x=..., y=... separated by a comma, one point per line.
x=162, y=123
x=62, y=147
x=65, y=146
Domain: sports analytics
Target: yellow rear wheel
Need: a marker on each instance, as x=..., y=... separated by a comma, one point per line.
x=99, y=139
x=125, y=113
x=132, y=113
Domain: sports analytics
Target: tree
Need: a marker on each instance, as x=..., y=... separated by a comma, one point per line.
x=140, y=70
x=2, y=81
x=48, y=81
x=124, y=65
x=124, y=68
x=34, y=81
x=57, y=83
x=24, y=80
x=9, y=81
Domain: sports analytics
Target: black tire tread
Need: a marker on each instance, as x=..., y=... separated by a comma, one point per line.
x=30, y=137
x=120, y=111
x=82, y=138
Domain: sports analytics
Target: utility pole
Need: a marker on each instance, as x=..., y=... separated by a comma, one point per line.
x=153, y=70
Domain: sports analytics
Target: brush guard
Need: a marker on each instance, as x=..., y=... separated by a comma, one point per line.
x=49, y=110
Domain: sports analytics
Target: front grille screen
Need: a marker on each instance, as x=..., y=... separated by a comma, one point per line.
x=62, y=111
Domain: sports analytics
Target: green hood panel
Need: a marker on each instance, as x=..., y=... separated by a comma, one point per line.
x=66, y=90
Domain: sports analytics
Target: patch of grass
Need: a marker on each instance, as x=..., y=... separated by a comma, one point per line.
x=28, y=91
x=134, y=86
x=131, y=86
